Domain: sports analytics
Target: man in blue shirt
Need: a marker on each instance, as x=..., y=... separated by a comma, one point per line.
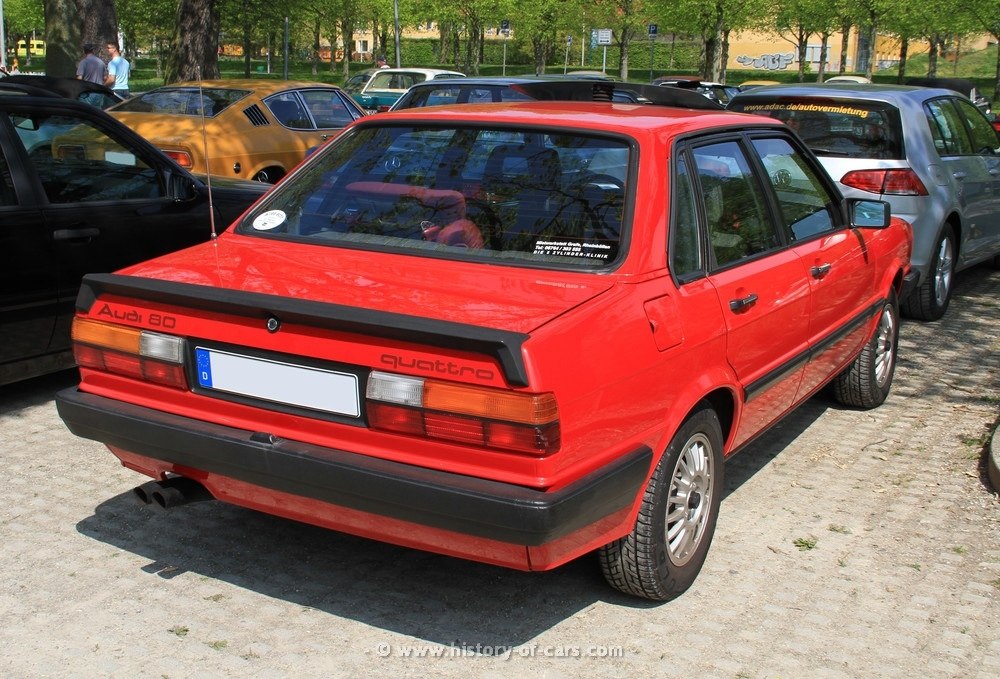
x=118, y=71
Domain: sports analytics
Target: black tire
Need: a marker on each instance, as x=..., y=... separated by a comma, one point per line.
x=688, y=481
x=930, y=300
x=866, y=382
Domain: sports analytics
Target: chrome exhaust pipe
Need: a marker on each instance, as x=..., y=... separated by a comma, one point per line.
x=172, y=492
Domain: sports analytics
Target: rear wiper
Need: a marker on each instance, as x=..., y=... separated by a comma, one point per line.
x=819, y=151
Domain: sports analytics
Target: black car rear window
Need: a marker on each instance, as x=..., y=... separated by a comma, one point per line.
x=859, y=129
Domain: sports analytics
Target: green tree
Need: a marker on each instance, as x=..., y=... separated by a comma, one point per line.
x=986, y=15
x=22, y=18
x=194, y=48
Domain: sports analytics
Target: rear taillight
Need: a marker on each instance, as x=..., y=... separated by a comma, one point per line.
x=182, y=158
x=122, y=350
x=476, y=416
x=897, y=182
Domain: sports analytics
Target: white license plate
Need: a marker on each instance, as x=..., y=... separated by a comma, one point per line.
x=286, y=383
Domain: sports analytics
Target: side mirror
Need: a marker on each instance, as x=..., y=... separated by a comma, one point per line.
x=182, y=188
x=869, y=214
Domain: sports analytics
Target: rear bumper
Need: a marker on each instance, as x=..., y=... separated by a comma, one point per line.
x=434, y=499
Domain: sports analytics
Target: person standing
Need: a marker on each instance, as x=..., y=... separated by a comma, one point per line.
x=118, y=71
x=380, y=62
x=91, y=68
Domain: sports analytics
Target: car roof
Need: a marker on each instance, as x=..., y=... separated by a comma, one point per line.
x=575, y=88
x=425, y=71
x=595, y=116
x=259, y=86
x=71, y=88
x=892, y=94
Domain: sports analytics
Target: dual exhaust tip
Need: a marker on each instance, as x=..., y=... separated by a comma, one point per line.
x=172, y=492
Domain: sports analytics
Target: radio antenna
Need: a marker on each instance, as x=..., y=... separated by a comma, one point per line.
x=204, y=139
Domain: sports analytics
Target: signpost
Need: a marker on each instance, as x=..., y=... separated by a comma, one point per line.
x=505, y=30
x=569, y=43
x=652, y=38
x=604, y=39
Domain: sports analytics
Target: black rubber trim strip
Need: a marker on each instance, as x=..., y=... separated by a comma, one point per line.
x=503, y=345
x=472, y=506
x=761, y=385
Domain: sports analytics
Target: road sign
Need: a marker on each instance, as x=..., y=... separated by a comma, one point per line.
x=603, y=36
x=569, y=40
x=652, y=30
x=505, y=26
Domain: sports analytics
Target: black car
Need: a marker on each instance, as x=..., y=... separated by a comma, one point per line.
x=81, y=193
x=546, y=88
x=70, y=88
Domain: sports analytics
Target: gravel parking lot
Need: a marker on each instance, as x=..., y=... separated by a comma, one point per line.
x=850, y=544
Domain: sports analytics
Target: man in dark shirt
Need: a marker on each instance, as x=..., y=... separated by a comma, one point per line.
x=91, y=68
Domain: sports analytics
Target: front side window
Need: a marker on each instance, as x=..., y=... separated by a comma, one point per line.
x=538, y=198
x=394, y=81
x=984, y=137
x=738, y=221
x=328, y=108
x=805, y=204
x=78, y=162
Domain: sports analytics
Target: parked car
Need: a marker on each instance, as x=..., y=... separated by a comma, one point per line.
x=248, y=129
x=750, y=84
x=964, y=87
x=717, y=92
x=65, y=214
x=71, y=88
x=850, y=79
x=929, y=152
x=527, y=88
x=515, y=333
x=384, y=86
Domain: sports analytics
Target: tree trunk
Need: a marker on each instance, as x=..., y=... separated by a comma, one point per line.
x=347, y=31
x=904, y=49
x=872, y=41
x=99, y=22
x=845, y=41
x=802, y=40
x=194, y=51
x=823, y=49
x=63, y=36
x=315, y=50
x=932, y=55
x=724, y=56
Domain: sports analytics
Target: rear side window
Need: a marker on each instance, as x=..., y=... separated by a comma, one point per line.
x=184, y=101
x=844, y=128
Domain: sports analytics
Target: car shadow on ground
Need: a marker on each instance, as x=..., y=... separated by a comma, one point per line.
x=436, y=598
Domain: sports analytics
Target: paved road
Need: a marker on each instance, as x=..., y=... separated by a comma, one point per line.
x=851, y=544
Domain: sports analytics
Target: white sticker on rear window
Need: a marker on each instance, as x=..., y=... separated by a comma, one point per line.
x=269, y=220
x=574, y=249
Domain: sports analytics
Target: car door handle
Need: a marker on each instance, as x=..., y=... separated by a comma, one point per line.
x=960, y=175
x=994, y=171
x=76, y=234
x=820, y=271
x=742, y=304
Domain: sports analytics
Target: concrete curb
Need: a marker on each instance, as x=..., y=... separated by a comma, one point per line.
x=993, y=460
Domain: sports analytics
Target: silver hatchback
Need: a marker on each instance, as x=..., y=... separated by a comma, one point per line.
x=929, y=152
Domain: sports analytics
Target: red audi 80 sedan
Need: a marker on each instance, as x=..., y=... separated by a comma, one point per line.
x=513, y=333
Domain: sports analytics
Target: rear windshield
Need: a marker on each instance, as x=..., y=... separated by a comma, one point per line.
x=184, y=101
x=857, y=129
x=533, y=197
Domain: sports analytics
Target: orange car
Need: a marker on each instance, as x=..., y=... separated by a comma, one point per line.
x=251, y=129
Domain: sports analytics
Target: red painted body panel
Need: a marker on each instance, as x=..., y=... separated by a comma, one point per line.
x=627, y=352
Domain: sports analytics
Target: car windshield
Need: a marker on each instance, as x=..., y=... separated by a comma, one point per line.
x=535, y=197
x=852, y=128
x=184, y=101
